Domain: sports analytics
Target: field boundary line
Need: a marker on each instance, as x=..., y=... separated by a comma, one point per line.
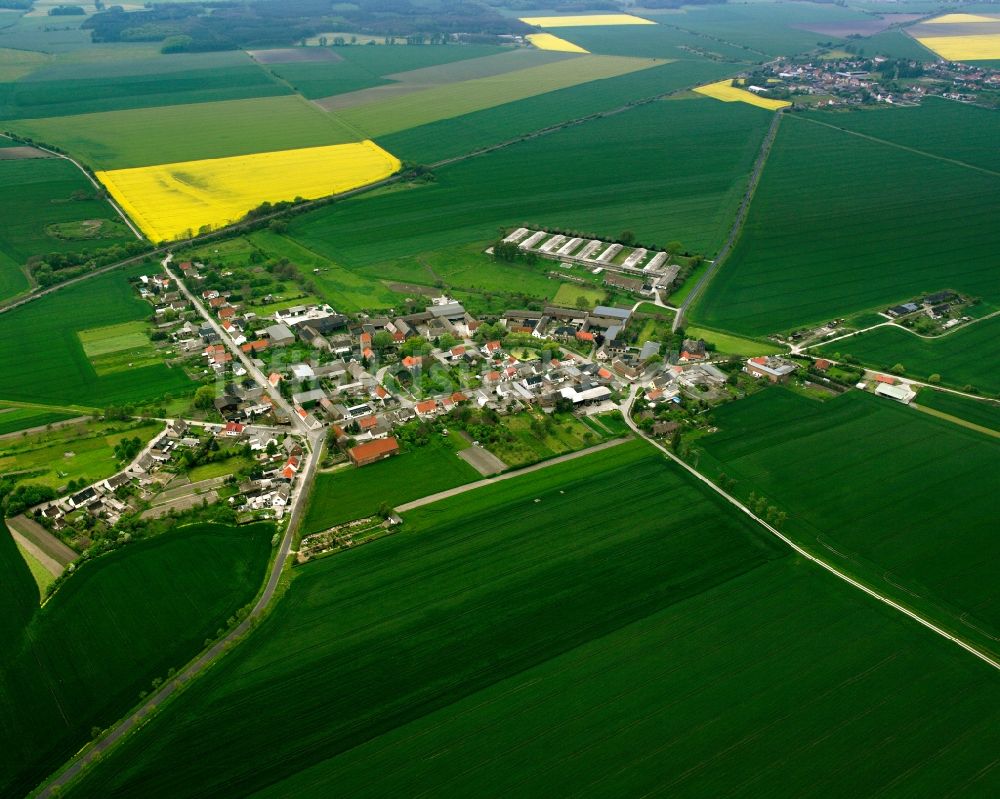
x=626, y=412
x=898, y=146
x=737, y=227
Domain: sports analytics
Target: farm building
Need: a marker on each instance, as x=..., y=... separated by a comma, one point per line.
x=373, y=451
x=693, y=349
x=900, y=393
x=279, y=335
x=777, y=370
x=621, y=282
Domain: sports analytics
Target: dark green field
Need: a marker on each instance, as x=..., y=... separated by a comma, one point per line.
x=37, y=193
x=125, y=619
x=660, y=185
x=940, y=127
x=655, y=41
x=986, y=414
x=451, y=137
x=963, y=358
x=898, y=496
x=821, y=241
x=667, y=646
x=356, y=493
x=46, y=360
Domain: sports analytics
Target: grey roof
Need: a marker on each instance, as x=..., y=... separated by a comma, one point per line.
x=614, y=313
x=649, y=349
x=308, y=396
x=279, y=332
x=452, y=310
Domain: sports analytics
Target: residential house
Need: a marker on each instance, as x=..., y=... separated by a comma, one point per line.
x=373, y=451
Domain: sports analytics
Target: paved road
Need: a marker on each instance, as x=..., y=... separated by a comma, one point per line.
x=454, y=492
x=734, y=231
x=626, y=408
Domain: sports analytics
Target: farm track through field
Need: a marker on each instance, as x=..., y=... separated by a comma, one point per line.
x=989, y=431
x=734, y=231
x=887, y=143
x=249, y=225
x=626, y=412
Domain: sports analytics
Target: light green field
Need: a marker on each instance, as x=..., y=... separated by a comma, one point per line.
x=218, y=468
x=733, y=345
x=168, y=134
x=456, y=99
x=43, y=577
x=69, y=453
x=118, y=348
x=570, y=293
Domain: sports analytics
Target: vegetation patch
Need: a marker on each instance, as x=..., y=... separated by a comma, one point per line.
x=116, y=348
x=78, y=663
x=13, y=420
x=88, y=229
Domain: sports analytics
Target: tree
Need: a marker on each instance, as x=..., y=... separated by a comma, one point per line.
x=674, y=247
x=627, y=237
x=934, y=378
x=382, y=341
x=899, y=369
x=675, y=440
x=204, y=398
x=582, y=302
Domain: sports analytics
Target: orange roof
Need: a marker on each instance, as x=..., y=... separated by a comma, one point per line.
x=426, y=406
x=584, y=335
x=367, y=422
x=274, y=378
x=492, y=375
x=410, y=360
x=216, y=302
x=288, y=472
x=602, y=372
x=373, y=449
x=492, y=346
x=380, y=392
x=760, y=360
x=458, y=396
x=215, y=348
x=823, y=363
x=366, y=338
x=885, y=379
x=397, y=336
x=367, y=353
x=459, y=350
x=227, y=313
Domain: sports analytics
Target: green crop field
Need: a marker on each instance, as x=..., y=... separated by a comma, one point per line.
x=878, y=488
x=766, y=28
x=352, y=493
x=655, y=41
x=39, y=193
x=845, y=248
x=450, y=137
x=962, y=358
x=49, y=364
x=146, y=136
x=661, y=185
x=939, y=127
x=895, y=44
x=986, y=414
x=669, y=646
x=82, y=452
x=425, y=66
x=124, y=619
x=118, y=348
x=456, y=99
x=68, y=86
x=13, y=420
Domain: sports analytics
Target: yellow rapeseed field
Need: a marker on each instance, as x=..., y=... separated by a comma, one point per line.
x=959, y=19
x=585, y=20
x=171, y=201
x=546, y=41
x=725, y=91
x=964, y=48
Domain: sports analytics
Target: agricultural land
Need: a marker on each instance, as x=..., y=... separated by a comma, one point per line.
x=441, y=398
x=506, y=669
